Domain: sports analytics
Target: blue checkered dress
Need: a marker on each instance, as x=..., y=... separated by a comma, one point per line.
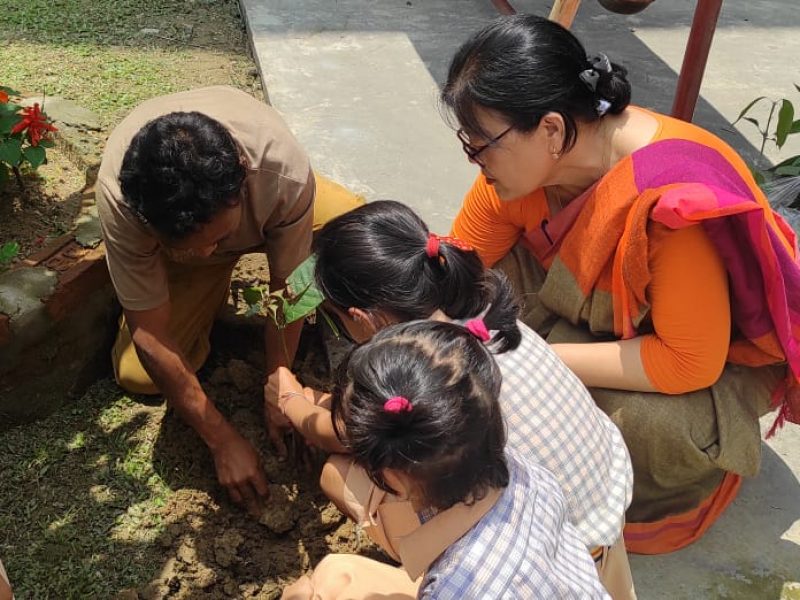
x=524, y=548
x=553, y=421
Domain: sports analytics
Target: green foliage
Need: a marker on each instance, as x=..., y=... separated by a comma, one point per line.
x=300, y=299
x=24, y=135
x=8, y=252
x=779, y=126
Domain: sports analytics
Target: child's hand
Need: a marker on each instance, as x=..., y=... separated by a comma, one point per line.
x=280, y=382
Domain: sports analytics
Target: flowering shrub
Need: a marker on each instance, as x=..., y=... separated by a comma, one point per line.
x=25, y=133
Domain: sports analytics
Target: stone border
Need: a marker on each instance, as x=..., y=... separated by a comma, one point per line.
x=57, y=307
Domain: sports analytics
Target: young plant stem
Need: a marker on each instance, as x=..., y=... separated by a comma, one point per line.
x=18, y=176
x=765, y=133
x=285, y=347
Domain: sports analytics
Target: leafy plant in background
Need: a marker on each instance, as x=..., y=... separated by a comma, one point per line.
x=298, y=300
x=778, y=127
x=8, y=252
x=25, y=133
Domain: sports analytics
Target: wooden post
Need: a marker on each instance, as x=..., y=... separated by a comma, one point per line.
x=564, y=11
x=695, y=58
x=503, y=7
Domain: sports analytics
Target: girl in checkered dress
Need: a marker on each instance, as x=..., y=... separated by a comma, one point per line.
x=417, y=408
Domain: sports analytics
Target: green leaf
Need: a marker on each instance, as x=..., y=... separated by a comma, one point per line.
x=791, y=161
x=753, y=121
x=253, y=296
x=8, y=251
x=303, y=275
x=305, y=295
x=9, y=91
x=253, y=309
x=10, y=108
x=302, y=305
x=795, y=128
x=5, y=174
x=785, y=121
x=748, y=107
x=790, y=171
x=11, y=151
x=35, y=155
x=7, y=122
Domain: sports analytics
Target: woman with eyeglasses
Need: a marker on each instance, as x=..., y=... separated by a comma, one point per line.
x=647, y=256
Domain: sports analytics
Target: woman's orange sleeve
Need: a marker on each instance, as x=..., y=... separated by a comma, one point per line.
x=484, y=223
x=690, y=311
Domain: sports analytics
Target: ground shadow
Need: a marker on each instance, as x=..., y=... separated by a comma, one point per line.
x=746, y=554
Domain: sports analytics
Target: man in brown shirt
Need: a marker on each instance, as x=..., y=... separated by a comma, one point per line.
x=188, y=183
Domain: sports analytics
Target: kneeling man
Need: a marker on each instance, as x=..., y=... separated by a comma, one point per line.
x=188, y=183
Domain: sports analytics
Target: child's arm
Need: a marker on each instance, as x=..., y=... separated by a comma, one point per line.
x=314, y=422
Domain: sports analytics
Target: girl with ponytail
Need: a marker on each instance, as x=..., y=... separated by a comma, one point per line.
x=379, y=265
x=417, y=409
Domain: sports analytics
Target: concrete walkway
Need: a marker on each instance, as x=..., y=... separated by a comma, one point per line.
x=358, y=82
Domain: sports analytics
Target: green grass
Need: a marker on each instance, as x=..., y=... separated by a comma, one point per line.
x=94, y=52
x=84, y=513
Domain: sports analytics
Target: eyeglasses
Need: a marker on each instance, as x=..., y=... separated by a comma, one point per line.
x=474, y=151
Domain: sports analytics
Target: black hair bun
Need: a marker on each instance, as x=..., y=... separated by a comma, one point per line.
x=615, y=88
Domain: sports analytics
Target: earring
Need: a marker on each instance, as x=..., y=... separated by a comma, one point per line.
x=555, y=155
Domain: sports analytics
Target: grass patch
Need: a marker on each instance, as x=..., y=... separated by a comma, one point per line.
x=85, y=509
x=111, y=55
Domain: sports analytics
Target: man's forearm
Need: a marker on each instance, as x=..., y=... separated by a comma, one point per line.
x=183, y=391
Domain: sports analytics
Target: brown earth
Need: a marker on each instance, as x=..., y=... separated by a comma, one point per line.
x=45, y=207
x=215, y=550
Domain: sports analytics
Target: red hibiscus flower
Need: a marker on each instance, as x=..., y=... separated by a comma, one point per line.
x=3, y=97
x=35, y=121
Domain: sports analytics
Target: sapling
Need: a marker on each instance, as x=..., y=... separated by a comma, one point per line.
x=301, y=298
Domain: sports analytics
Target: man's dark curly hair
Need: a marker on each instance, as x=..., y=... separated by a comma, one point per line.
x=180, y=171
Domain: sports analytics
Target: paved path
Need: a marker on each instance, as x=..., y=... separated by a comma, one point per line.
x=358, y=83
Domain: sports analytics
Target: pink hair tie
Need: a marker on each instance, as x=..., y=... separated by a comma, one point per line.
x=432, y=246
x=397, y=404
x=478, y=328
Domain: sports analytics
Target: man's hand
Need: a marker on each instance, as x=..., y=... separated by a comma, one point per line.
x=237, y=463
x=239, y=470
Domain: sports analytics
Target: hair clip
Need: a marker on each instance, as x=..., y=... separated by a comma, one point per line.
x=432, y=246
x=478, y=328
x=435, y=241
x=602, y=106
x=598, y=63
x=397, y=404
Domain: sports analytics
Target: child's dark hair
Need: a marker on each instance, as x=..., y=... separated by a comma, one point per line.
x=375, y=257
x=451, y=440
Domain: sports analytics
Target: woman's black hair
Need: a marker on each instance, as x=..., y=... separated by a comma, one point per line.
x=451, y=442
x=374, y=257
x=180, y=171
x=525, y=66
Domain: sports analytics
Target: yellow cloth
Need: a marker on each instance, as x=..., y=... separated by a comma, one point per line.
x=198, y=292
